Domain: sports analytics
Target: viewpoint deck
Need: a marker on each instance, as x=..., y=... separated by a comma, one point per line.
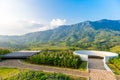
x=19, y=54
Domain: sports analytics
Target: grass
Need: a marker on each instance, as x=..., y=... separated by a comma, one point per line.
x=40, y=75
x=8, y=72
x=114, y=69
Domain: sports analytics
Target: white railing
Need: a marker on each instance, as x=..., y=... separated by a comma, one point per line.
x=105, y=65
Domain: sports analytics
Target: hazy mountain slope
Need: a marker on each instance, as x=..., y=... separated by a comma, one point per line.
x=102, y=31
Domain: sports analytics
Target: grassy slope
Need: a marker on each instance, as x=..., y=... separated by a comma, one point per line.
x=114, y=69
x=8, y=72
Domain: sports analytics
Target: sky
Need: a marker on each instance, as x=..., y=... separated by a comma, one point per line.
x=18, y=17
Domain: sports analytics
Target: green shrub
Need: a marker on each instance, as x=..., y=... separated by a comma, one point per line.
x=4, y=51
x=83, y=65
x=0, y=58
x=57, y=58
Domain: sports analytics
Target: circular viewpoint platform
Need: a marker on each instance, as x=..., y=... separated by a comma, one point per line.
x=96, y=64
x=84, y=54
x=96, y=59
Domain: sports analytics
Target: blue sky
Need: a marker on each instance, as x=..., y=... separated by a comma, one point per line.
x=77, y=10
x=21, y=16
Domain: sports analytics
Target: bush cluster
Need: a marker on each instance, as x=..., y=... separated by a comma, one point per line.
x=56, y=58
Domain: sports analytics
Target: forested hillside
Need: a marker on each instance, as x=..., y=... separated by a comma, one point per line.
x=103, y=35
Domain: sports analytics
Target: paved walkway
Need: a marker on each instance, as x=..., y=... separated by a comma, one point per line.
x=18, y=64
x=97, y=70
x=101, y=75
x=94, y=63
x=118, y=77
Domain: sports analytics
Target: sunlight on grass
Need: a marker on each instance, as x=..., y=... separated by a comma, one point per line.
x=114, y=69
x=10, y=72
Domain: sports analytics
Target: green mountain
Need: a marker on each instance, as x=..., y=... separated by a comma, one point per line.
x=89, y=34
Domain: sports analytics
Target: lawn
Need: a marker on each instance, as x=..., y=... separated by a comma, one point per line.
x=8, y=72
x=114, y=69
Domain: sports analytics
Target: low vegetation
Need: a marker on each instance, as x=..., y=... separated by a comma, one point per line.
x=83, y=65
x=40, y=75
x=114, y=69
x=4, y=51
x=114, y=64
x=115, y=49
x=57, y=58
x=7, y=72
x=25, y=74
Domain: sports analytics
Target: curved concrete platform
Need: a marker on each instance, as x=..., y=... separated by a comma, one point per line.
x=85, y=53
x=97, y=64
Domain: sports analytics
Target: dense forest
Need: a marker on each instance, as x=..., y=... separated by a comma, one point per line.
x=57, y=58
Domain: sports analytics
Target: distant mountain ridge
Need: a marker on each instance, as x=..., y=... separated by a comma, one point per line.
x=102, y=31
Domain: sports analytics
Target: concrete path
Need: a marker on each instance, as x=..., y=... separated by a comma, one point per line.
x=19, y=64
x=101, y=75
x=118, y=77
x=94, y=63
x=97, y=70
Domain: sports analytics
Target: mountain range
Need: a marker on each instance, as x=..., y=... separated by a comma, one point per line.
x=84, y=34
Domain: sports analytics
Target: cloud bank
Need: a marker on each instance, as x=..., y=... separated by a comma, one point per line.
x=26, y=26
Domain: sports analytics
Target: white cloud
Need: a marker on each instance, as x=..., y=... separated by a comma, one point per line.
x=54, y=23
x=26, y=26
x=19, y=27
x=57, y=22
